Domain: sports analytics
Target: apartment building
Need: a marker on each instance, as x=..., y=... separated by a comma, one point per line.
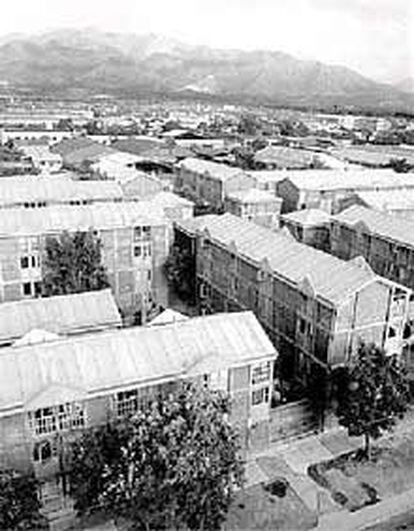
x=326, y=189
x=135, y=244
x=51, y=391
x=210, y=182
x=32, y=191
x=255, y=205
x=314, y=307
x=385, y=241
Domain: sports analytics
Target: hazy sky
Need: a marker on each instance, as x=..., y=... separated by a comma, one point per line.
x=376, y=37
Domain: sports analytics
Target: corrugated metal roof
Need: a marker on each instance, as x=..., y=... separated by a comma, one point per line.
x=64, y=314
x=56, y=189
x=332, y=278
x=386, y=225
x=308, y=217
x=216, y=171
x=350, y=179
x=104, y=362
x=58, y=218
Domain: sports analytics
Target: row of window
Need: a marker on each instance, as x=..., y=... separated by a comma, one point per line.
x=68, y=416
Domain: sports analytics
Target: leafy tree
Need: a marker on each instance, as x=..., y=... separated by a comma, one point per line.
x=400, y=165
x=180, y=272
x=175, y=464
x=373, y=393
x=73, y=264
x=19, y=503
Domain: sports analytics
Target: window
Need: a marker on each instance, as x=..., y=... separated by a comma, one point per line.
x=261, y=373
x=260, y=396
x=42, y=452
x=142, y=233
x=149, y=275
x=128, y=402
x=302, y=326
x=27, y=289
x=34, y=261
x=37, y=286
x=24, y=262
x=143, y=250
x=58, y=418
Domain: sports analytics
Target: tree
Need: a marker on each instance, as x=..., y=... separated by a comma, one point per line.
x=180, y=272
x=400, y=165
x=175, y=463
x=19, y=503
x=373, y=393
x=73, y=264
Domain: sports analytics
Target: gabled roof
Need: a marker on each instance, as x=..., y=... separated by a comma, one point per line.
x=308, y=217
x=332, y=279
x=100, y=216
x=217, y=171
x=64, y=314
x=168, y=316
x=103, y=363
x=385, y=225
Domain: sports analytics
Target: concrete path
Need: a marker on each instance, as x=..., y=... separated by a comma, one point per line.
x=292, y=459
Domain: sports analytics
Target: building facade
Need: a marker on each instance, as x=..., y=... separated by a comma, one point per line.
x=135, y=244
x=314, y=307
x=51, y=392
x=210, y=182
x=255, y=205
x=326, y=189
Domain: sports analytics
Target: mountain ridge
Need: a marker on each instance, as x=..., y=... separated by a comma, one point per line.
x=98, y=60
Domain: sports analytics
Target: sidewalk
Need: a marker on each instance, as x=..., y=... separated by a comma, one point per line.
x=292, y=459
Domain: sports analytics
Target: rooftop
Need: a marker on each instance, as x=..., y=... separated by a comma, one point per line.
x=215, y=170
x=332, y=279
x=57, y=218
x=308, y=217
x=386, y=225
x=59, y=188
x=350, y=179
x=388, y=199
x=253, y=195
x=99, y=364
x=64, y=314
x=285, y=157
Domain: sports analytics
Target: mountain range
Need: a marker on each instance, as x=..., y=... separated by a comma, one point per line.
x=148, y=64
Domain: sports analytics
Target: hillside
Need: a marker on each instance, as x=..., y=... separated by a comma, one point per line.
x=150, y=63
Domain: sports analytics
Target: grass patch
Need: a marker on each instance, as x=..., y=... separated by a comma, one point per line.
x=265, y=507
x=346, y=489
